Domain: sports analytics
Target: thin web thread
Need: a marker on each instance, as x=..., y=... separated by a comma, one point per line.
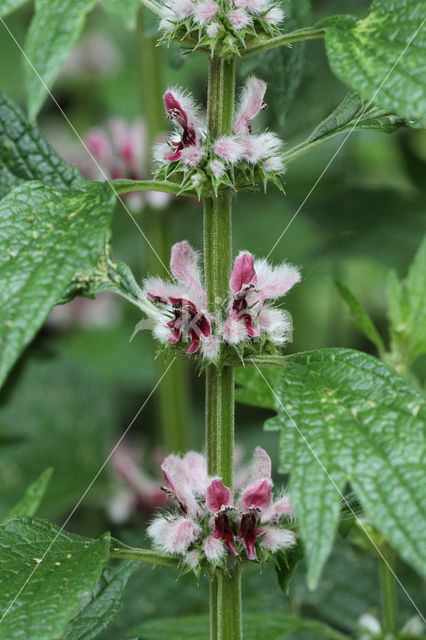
x=358, y=521
x=145, y=237
x=346, y=138
x=85, y=493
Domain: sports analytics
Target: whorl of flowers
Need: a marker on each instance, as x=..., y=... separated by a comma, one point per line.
x=178, y=309
x=236, y=160
x=226, y=25
x=210, y=523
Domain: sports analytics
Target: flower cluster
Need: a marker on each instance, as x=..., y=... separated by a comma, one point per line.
x=210, y=523
x=179, y=309
x=237, y=160
x=120, y=150
x=225, y=26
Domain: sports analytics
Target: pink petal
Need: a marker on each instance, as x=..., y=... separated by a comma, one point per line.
x=282, y=507
x=218, y=496
x=205, y=11
x=261, y=465
x=274, y=282
x=228, y=148
x=239, y=19
x=275, y=539
x=185, y=531
x=250, y=105
x=243, y=272
x=195, y=465
x=214, y=549
x=184, y=267
x=257, y=495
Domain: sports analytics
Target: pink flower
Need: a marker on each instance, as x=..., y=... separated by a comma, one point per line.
x=191, y=156
x=254, y=6
x=145, y=493
x=274, y=16
x=260, y=147
x=251, y=102
x=228, y=148
x=211, y=522
x=212, y=30
x=181, y=110
x=182, y=8
x=185, y=299
x=205, y=11
x=217, y=168
x=239, y=19
x=251, y=284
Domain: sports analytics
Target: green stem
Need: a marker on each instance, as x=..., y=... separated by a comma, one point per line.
x=388, y=591
x=310, y=33
x=229, y=605
x=225, y=590
x=126, y=186
x=143, y=555
x=173, y=398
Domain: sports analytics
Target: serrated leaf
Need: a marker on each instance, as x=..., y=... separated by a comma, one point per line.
x=282, y=67
x=7, y=6
x=363, y=52
x=407, y=311
x=125, y=10
x=256, y=625
x=62, y=416
x=101, y=607
x=63, y=575
x=358, y=421
x=32, y=497
x=360, y=318
x=25, y=154
x=47, y=236
x=54, y=30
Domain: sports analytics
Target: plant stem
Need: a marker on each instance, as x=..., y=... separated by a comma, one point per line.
x=310, y=33
x=225, y=590
x=388, y=591
x=127, y=186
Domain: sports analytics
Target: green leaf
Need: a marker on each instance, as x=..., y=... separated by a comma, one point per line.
x=32, y=497
x=363, y=52
x=62, y=416
x=48, y=235
x=357, y=421
x=286, y=564
x=406, y=310
x=360, y=318
x=253, y=390
x=256, y=625
x=102, y=606
x=7, y=6
x=282, y=67
x=25, y=154
x=54, y=30
x=125, y=10
x=64, y=574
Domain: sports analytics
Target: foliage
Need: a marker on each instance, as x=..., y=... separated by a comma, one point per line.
x=255, y=626
x=30, y=501
x=377, y=57
x=63, y=568
x=359, y=422
x=48, y=235
x=25, y=154
x=407, y=313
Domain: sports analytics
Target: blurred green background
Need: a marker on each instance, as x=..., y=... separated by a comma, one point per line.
x=78, y=386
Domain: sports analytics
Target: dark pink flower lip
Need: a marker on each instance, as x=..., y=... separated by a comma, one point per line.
x=248, y=533
x=223, y=531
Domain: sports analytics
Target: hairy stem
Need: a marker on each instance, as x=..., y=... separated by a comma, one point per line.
x=225, y=591
x=310, y=33
x=173, y=402
x=127, y=186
